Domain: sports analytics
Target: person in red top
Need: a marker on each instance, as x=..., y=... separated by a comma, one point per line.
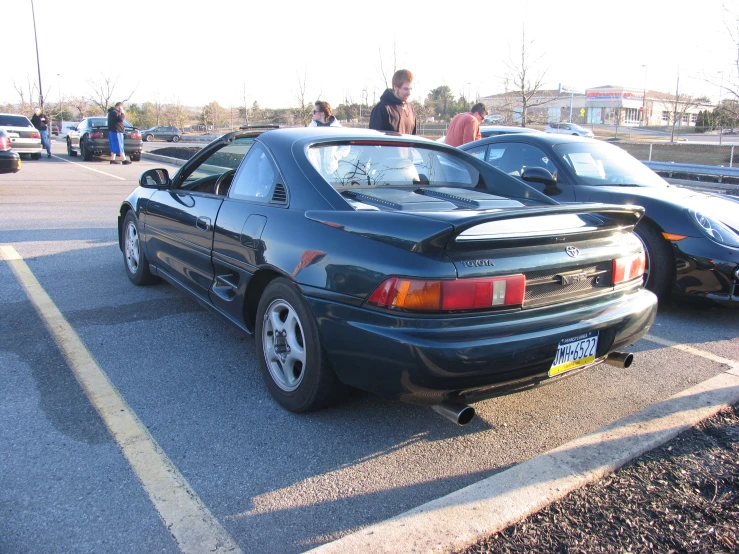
x=465, y=127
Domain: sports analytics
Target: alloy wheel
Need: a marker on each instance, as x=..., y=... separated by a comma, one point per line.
x=284, y=345
x=132, y=248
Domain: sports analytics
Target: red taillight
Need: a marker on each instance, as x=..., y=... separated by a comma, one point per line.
x=4, y=143
x=628, y=268
x=35, y=134
x=97, y=135
x=445, y=296
x=135, y=135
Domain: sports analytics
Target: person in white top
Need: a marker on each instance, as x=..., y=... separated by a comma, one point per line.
x=322, y=116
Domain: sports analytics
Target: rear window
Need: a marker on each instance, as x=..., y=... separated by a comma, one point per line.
x=103, y=122
x=14, y=121
x=369, y=164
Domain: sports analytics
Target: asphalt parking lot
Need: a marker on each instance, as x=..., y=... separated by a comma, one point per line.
x=271, y=480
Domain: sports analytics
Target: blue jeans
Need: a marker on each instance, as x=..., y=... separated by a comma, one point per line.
x=45, y=141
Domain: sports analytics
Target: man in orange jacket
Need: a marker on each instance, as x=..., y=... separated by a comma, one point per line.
x=465, y=127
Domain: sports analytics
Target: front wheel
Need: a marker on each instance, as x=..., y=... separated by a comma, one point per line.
x=292, y=359
x=69, y=148
x=136, y=157
x=149, y=138
x=175, y=139
x=660, y=265
x=137, y=266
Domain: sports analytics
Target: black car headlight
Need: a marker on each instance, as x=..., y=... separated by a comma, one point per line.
x=714, y=229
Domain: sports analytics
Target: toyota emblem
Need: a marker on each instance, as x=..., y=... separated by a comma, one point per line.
x=572, y=252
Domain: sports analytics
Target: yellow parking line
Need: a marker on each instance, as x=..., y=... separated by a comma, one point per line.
x=91, y=169
x=192, y=525
x=734, y=366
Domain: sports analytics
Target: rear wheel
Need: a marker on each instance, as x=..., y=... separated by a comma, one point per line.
x=292, y=359
x=36, y=156
x=175, y=139
x=69, y=148
x=137, y=266
x=660, y=266
x=136, y=157
x=85, y=151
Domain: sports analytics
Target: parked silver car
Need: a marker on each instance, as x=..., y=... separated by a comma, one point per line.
x=162, y=132
x=568, y=129
x=24, y=137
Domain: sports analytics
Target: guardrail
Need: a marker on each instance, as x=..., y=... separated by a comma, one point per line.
x=694, y=169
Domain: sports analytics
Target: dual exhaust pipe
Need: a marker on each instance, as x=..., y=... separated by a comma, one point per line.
x=462, y=414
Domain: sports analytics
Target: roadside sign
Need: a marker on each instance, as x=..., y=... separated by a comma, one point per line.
x=582, y=112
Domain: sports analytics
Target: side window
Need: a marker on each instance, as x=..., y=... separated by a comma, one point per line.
x=495, y=153
x=256, y=177
x=520, y=155
x=478, y=152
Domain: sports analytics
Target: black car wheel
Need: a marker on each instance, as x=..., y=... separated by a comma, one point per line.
x=69, y=148
x=84, y=151
x=36, y=156
x=660, y=265
x=175, y=139
x=137, y=266
x=136, y=157
x=292, y=360
x=149, y=138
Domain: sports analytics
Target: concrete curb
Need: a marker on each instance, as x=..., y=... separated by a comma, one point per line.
x=165, y=159
x=460, y=519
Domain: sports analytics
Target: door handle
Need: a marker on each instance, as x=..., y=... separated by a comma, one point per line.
x=203, y=223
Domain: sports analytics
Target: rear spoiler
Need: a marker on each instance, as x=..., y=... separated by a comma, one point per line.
x=431, y=232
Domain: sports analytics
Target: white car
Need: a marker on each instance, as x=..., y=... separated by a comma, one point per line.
x=568, y=129
x=24, y=137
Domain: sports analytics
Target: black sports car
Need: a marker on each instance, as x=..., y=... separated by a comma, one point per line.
x=691, y=238
x=389, y=263
x=10, y=162
x=90, y=138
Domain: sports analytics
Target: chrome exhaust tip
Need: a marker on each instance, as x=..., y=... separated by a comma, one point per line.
x=620, y=359
x=461, y=414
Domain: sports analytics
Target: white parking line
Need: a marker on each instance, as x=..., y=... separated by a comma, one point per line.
x=192, y=525
x=91, y=169
x=696, y=352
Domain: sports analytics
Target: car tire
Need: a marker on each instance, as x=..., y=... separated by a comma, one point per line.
x=175, y=139
x=36, y=156
x=134, y=259
x=300, y=377
x=149, y=138
x=660, y=265
x=69, y=148
x=136, y=157
x=84, y=152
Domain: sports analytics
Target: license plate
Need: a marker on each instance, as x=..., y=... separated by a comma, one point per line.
x=574, y=352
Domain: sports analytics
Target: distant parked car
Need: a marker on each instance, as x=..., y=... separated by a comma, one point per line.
x=55, y=130
x=568, y=129
x=10, y=162
x=24, y=137
x=495, y=130
x=162, y=132
x=90, y=138
x=493, y=118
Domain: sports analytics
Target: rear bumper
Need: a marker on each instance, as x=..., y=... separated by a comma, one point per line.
x=101, y=147
x=426, y=361
x=10, y=162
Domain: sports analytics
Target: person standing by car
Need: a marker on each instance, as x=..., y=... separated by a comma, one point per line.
x=41, y=122
x=465, y=127
x=393, y=112
x=322, y=116
x=116, y=133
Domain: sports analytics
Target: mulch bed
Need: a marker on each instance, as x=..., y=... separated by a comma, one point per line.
x=680, y=498
x=179, y=152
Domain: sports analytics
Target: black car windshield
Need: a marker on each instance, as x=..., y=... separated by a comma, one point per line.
x=604, y=164
x=377, y=164
x=14, y=121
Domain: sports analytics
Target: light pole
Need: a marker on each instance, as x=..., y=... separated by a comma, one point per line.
x=644, y=99
x=38, y=65
x=61, y=110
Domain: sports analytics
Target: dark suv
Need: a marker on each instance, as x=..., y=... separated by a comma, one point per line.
x=90, y=138
x=162, y=132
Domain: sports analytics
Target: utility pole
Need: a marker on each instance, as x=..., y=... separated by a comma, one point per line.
x=721, y=121
x=677, y=98
x=644, y=99
x=38, y=65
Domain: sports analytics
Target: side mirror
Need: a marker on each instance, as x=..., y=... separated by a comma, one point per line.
x=154, y=179
x=541, y=176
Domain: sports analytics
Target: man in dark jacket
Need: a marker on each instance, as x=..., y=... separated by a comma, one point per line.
x=394, y=112
x=116, y=133
x=41, y=122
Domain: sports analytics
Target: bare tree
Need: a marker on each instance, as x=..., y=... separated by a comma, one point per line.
x=526, y=79
x=679, y=105
x=383, y=71
x=246, y=105
x=303, y=112
x=158, y=107
x=103, y=90
x=175, y=113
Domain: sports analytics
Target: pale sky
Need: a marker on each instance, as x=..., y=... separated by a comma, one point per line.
x=199, y=52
